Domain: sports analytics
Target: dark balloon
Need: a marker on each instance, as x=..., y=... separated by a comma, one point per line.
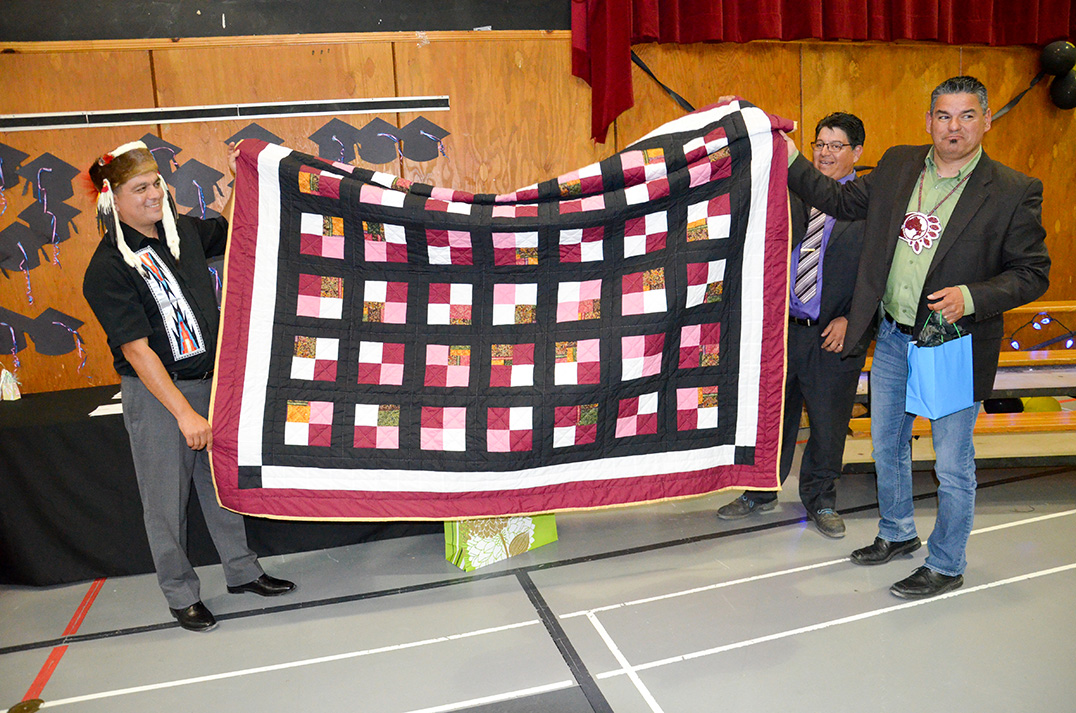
x=1058, y=57
x=1063, y=90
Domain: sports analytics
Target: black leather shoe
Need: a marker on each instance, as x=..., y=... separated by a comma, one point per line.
x=264, y=586
x=883, y=550
x=925, y=582
x=195, y=617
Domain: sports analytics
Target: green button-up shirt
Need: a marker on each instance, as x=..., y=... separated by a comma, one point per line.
x=909, y=271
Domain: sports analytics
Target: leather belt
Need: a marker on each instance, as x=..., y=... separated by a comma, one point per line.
x=902, y=328
x=802, y=322
x=196, y=377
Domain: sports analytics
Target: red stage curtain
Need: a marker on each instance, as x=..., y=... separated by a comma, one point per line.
x=604, y=30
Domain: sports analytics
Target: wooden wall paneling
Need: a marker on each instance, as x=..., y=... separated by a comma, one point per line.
x=1039, y=139
x=517, y=116
x=247, y=74
x=53, y=83
x=888, y=86
x=767, y=74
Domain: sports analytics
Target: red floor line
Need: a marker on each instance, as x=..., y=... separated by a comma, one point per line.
x=57, y=653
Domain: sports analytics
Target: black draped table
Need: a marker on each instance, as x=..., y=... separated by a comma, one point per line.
x=69, y=505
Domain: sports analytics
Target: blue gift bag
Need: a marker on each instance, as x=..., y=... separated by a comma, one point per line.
x=940, y=378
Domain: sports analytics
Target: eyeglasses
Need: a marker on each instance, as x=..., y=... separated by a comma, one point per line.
x=833, y=146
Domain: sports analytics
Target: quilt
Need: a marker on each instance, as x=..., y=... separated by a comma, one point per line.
x=615, y=335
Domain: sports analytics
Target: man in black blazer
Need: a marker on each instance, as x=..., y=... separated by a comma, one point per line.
x=947, y=230
x=825, y=254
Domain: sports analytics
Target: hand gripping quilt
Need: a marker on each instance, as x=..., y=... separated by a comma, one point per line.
x=394, y=350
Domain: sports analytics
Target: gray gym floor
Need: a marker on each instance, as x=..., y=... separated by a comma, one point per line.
x=651, y=608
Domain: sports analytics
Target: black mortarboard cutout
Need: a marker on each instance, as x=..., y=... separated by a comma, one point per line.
x=185, y=178
x=57, y=182
x=11, y=257
x=53, y=339
x=167, y=155
x=336, y=141
x=21, y=325
x=12, y=159
x=253, y=131
x=40, y=222
x=375, y=148
x=415, y=140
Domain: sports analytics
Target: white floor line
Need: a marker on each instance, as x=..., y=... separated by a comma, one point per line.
x=498, y=698
x=783, y=572
x=625, y=666
x=833, y=622
x=705, y=588
x=286, y=665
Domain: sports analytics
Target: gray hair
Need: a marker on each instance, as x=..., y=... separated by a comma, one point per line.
x=961, y=85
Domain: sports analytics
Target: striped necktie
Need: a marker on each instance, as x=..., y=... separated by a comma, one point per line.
x=810, y=251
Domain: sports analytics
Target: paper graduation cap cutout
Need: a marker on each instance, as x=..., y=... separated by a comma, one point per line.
x=54, y=339
x=11, y=158
x=196, y=186
x=56, y=182
x=165, y=153
x=336, y=141
x=20, y=324
x=420, y=139
x=253, y=131
x=375, y=142
x=11, y=257
x=41, y=224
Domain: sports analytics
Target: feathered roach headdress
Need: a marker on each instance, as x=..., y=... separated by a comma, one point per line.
x=114, y=169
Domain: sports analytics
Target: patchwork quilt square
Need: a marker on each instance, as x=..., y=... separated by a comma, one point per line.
x=643, y=292
x=585, y=181
x=581, y=244
x=320, y=296
x=511, y=365
x=575, y=425
x=649, y=191
x=443, y=206
x=641, y=355
x=529, y=193
x=580, y=205
x=384, y=242
x=377, y=426
x=448, y=365
x=521, y=210
x=712, y=167
x=317, y=182
x=714, y=141
x=700, y=345
x=451, y=195
x=515, y=248
x=375, y=195
x=696, y=408
x=449, y=247
x=637, y=416
x=385, y=302
x=643, y=166
x=579, y=300
x=705, y=282
x=577, y=362
x=309, y=423
x=321, y=235
x=509, y=429
x=315, y=358
x=381, y=363
x=449, y=303
x=515, y=304
x=645, y=234
x=709, y=220
x=443, y=428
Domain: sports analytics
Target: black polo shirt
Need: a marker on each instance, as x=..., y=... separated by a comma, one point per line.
x=172, y=303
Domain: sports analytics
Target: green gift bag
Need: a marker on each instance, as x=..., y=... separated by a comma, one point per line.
x=470, y=544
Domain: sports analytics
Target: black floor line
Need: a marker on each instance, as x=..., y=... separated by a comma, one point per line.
x=582, y=676
x=468, y=579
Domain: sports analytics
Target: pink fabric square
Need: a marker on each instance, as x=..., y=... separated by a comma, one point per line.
x=308, y=306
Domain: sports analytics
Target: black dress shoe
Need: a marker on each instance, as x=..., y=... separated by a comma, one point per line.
x=195, y=617
x=925, y=582
x=264, y=586
x=883, y=550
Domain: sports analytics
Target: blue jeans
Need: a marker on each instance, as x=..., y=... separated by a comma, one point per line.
x=891, y=433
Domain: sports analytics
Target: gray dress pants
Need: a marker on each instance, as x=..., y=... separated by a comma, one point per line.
x=165, y=469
